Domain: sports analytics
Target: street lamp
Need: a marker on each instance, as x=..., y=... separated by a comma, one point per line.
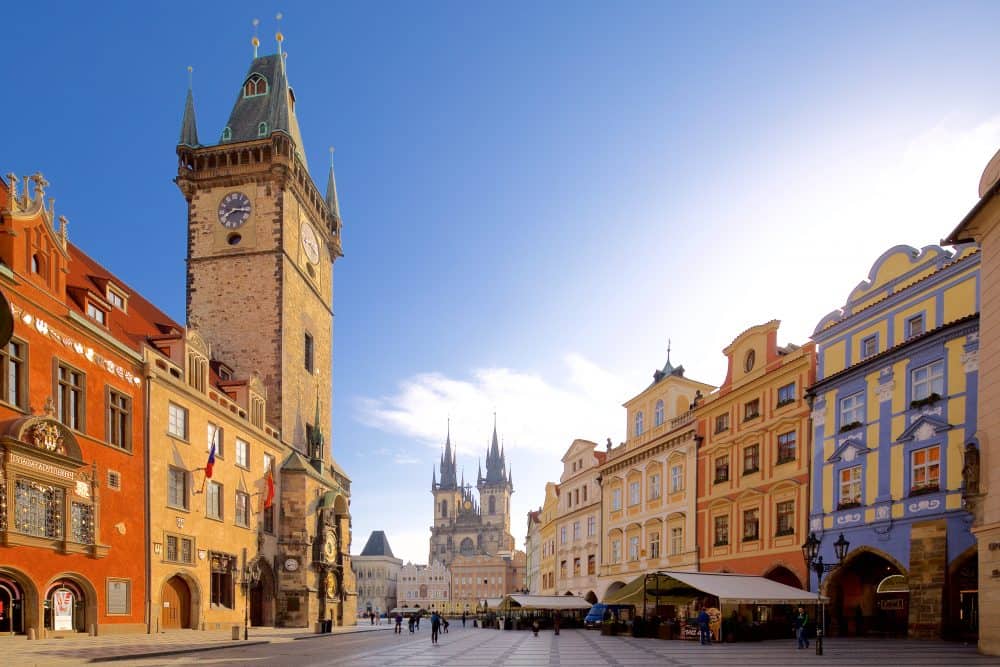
x=814, y=561
x=251, y=575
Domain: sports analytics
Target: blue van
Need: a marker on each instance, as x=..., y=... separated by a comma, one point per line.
x=596, y=614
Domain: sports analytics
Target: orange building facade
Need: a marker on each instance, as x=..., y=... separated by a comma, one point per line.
x=753, y=464
x=72, y=453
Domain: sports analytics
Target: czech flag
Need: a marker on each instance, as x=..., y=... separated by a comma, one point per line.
x=211, y=462
x=269, y=498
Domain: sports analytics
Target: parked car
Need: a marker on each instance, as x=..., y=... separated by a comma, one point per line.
x=595, y=617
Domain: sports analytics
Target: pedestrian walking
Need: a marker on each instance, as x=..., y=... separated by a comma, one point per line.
x=555, y=622
x=418, y=621
x=801, y=623
x=371, y=615
x=399, y=623
x=444, y=625
x=463, y=619
x=411, y=623
x=704, y=632
x=435, y=627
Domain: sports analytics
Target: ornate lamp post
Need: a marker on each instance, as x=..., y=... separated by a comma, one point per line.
x=814, y=561
x=251, y=575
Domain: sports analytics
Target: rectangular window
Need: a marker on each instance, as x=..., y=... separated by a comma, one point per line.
x=852, y=409
x=633, y=493
x=616, y=551
x=12, y=375
x=633, y=547
x=751, y=525
x=676, y=479
x=308, y=352
x=850, y=486
x=242, y=509
x=751, y=459
x=928, y=380
x=616, y=500
x=869, y=347
x=562, y=535
x=654, y=545
x=70, y=395
x=915, y=326
x=676, y=541
x=591, y=526
x=786, y=447
x=786, y=394
x=177, y=421
x=213, y=500
x=925, y=469
x=654, y=486
x=171, y=548
x=82, y=523
x=96, y=314
x=721, y=530
x=215, y=434
x=591, y=564
x=242, y=453
x=38, y=509
x=786, y=517
x=116, y=300
x=722, y=469
x=576, y=531
x=114, y=480
x=576, y=567
x=268, y=463
x=751, y=409
x=177, y=491
x=119, y=425
x=222, y=566
x=722, y=423
x=584, y=494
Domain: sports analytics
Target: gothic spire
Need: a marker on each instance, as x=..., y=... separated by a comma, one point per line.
x=494, y=459
x=189, y=128
x=449, y=478
x=331, y=192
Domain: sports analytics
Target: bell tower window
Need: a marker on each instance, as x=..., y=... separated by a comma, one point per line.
x=227, y=133
x=254, y=86
x=262, y=130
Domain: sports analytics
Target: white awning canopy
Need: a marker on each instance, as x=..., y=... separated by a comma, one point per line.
x=729, y=588
x=545, y=602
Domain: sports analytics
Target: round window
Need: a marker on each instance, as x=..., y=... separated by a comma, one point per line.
x=749, y=361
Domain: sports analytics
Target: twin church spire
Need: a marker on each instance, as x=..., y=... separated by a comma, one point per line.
x=497, y=471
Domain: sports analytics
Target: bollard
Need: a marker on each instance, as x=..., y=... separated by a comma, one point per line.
x=31, y=634
x=92, y=630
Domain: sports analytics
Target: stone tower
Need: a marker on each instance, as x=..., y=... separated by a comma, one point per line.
x=262, y=241
x=447, y=493
x=496, y=487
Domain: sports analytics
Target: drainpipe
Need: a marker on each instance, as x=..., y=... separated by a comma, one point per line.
x=146, y=508
x=810, y=398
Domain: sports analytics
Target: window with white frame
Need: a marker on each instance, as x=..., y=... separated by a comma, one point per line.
x=562, y=535
x=722, y=468
x=177, y=489
x=676, y=478
x=785, y=512
x=616, y=500
x=616, y=551
x=654, y=486
x=869, y=346
x=850, y=485
x=214, y=434
x=915, y=326
x=786, y=394
x=852, y=409
x=177, y=421
x=751, y=525
x=633, y=547
x=658, y=415
x=786, y=447
x=633, y=493
x=576, y=531
x=925, y=469
x=638, y=423
x=242, y=509
x=927, y=380
x=676, y=540
x=213, y=500
x=242, y=453
x=591, y=526
x=721, y=530
x=722, y=423
x=654, y=544
x=96, y=314
x=751, y=459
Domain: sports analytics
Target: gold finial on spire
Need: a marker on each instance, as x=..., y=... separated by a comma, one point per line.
x=254, y=40
x=278, y=36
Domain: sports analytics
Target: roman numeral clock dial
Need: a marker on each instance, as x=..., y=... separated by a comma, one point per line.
x=234, y=210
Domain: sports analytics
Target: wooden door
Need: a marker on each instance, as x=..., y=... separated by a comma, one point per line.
x=176, y=604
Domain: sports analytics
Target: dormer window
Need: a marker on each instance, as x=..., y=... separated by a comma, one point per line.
x=97, y=314
x=262, y=130
x=254, y=86
x=116, y=298
x=227, y=133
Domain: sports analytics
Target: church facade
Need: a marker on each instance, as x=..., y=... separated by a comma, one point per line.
x=465, y=524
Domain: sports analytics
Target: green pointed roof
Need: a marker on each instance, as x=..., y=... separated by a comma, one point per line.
x=189, y=128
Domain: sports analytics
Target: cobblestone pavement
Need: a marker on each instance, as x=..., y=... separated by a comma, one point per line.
x=575, y=648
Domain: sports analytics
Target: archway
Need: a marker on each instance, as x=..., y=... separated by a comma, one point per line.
x=868, y=593
x=613, y=587
x=783, y=575
x=19, y=601
x=177, y=602
x=70, y=604
x=262, y=597
x=590, y=597
x=961, y=619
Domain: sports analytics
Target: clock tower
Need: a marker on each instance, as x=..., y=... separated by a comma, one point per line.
x=262, y=242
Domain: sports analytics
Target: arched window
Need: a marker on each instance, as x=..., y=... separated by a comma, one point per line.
x=444, y=508
x=493, y=504
x=659, y=412
x=638, y=424
x=467, y=548
x=262, y=130
x=254, y=86
x=227, y=133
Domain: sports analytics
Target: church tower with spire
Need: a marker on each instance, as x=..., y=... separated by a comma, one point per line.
x=496, y=486
x=262, y=242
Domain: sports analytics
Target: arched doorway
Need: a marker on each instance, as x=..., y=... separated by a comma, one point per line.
x=783, y=575
x=962, y=613
x=868, y=593
x=176, y=603
x=66, y=607
x=11, y=606
x=262, y=598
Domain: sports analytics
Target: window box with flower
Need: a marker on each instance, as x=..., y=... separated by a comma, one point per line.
x=927, y=400
x=850, y=426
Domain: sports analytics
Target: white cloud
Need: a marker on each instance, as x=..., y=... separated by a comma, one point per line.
x=404, y=459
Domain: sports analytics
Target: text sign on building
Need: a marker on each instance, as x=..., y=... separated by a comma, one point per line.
x=41, y=466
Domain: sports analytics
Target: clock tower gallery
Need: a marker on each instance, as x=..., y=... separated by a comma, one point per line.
x=262, y=241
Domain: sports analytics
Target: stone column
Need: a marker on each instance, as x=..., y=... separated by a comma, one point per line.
x=928, y=571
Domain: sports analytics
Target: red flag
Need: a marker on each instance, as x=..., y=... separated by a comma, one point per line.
x=269, y=498
x=211, y=462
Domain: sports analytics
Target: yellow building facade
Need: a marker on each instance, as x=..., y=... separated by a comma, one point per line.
x=648, y=483
x=547, y=536
x=578, y=521
x=212, y=541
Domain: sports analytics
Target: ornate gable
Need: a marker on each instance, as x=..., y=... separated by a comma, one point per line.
x=923, y=428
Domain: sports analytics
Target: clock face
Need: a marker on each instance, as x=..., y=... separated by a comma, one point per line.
x=234, y=210
x=468, y=505
x=309, y=243
x=291, y=564
x=330, y=548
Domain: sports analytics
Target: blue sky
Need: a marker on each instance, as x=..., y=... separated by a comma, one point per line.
x=536, y=196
